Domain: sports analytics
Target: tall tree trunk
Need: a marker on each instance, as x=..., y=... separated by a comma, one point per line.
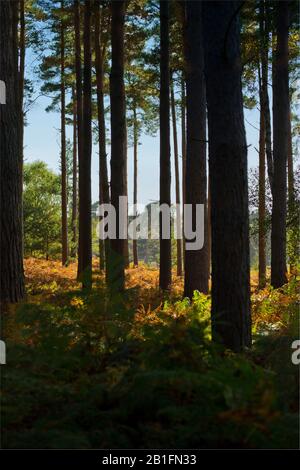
x=101, y=240
x=231, y=321
x=78, y=70
x=103, y=177
x=183, y=151
x=126, y=244
x=74, y=179
x=177, y=183
x=264, y=48
x=262, y=195
x=85, y=224
x=196, y=268
x=292, y=202
x=182, y=19
x=291, y=186
x=135, y=171
x=22, y=52
x=118, y=142
x=280, y=146
x=208, y=227
x=165, y=274
x=11, y=267
x=64, y=197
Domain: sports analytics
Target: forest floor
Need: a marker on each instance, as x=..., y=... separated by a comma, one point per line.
x=140, y=371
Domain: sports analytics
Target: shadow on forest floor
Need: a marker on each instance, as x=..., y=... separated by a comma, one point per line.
x=85, y=371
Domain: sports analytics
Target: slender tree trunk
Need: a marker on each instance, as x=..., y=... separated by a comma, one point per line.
x=74, y=182
x=22, y=48
x=11, y=266
x=103, y=177
x=177, y=182
x=292, y=202
x=262, y=195
x=126, y=244
x=101, y=240
x=208, y=228
x=280, y=149
x=85, y=224
x=78, y=69
x=165, y=163
x=135, y=163
x=183, y=152
x=182, y=15
x=196, y=269
x=22, y=53
x=64, y=201
x=264, y=48
x=291, y=186
x=118, y=142
x=231, y=321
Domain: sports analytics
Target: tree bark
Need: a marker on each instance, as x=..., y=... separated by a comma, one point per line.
x=262, y=194
x=85, y=226
x=135, y=171
x=103, y=177
x=208, y=227
x=183, y=152
x=177, y=182
x=74, y=181
x=118, y=142
x=231, y=321
x=22, y=51
x=196, y=261
x=78, y=72
x=280, y=146
x=291, y=185
x=264, y=48
x=292, y=203
x=11, y=268
x=165, y=163
x=63, y=158
x=182, y=10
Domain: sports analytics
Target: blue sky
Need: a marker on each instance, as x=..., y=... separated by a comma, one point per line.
x=42, y=143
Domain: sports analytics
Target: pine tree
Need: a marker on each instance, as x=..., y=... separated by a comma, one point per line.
x=11, y=267
x=231, y=322
x=262, y=194
x=165, y=164
x=196, y=262
x=104, y=196
x=85, y=210
x=177, y=182
x=118, y=141
x=64, y=196
x=280, y=146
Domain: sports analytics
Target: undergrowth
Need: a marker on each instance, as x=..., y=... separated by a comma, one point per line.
x=141, y=372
